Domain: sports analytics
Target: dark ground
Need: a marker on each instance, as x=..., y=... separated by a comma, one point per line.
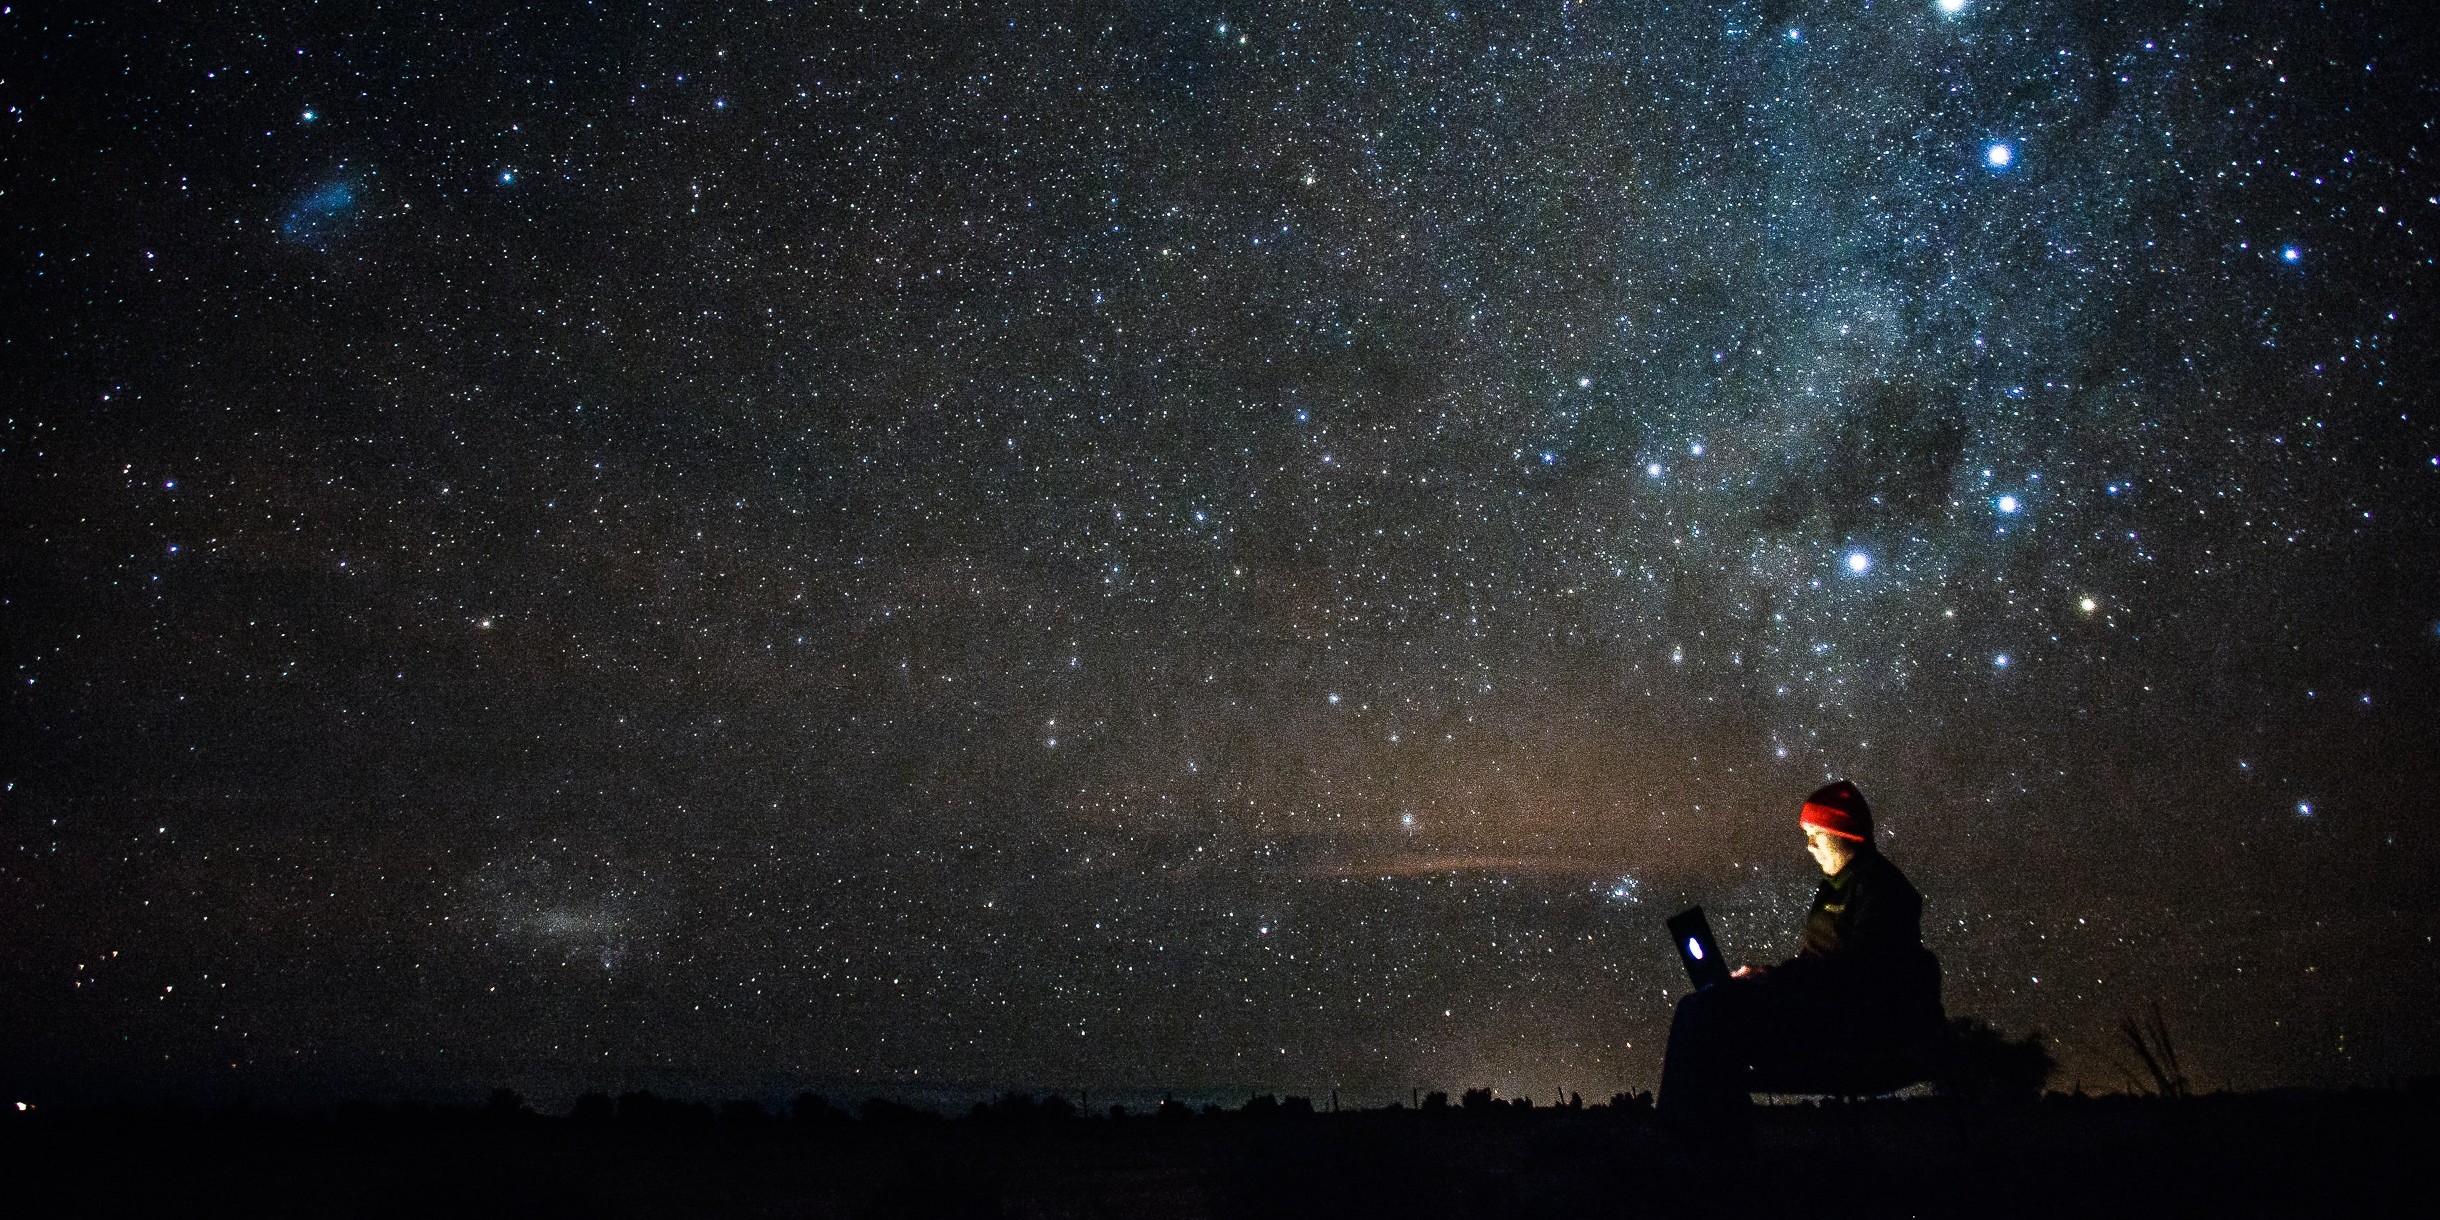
x=2293, y=1155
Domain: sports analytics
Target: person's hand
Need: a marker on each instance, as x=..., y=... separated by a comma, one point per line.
x=1743, y=972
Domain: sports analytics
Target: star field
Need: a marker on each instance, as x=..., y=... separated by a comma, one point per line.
x=942, y=546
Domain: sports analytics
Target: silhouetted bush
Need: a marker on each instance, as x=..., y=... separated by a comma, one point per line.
x=1023, y=1107
x=1631, y=1104
x=1435, y=1102
x=592, y=1107
x=882, y=1112
x=1171, y=1108
x=506, y=1103
x=1478, y=1101
x=1296, y=1107
x=1984, y=1064
x=1264, y=1106
x=743, y=1112
x=645, y=1106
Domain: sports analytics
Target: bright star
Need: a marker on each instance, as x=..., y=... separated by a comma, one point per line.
x=2293, y=254
x=310, y=116
x=1950, y=8
x=507, y=176
x=2000, y=661
x=2088, y=605
x=1695, y=448
x=2304, y=809
x=2008, y=504
x=2000, y=156
x=1654, y=470
x=1858, y=562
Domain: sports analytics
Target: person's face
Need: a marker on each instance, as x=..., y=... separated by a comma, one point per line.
x=1830, y=852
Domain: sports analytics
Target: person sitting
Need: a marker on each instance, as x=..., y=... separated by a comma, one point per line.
x=1853, y=1012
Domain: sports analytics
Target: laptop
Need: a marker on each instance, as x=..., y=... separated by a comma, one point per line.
x=1696, y=947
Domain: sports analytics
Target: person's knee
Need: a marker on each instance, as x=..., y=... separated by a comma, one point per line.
x=1718, y=998
x=1695, y=1008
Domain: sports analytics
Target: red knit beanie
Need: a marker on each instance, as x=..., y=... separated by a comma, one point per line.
x=1838, y=808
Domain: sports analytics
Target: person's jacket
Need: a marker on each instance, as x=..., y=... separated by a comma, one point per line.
x=1864, y=939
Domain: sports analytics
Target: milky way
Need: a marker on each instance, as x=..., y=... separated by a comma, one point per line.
x=1201, y=550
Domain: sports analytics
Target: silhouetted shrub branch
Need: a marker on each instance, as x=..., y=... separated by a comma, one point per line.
x=2149, y=1039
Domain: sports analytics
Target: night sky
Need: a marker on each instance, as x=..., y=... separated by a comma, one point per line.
x=915, y=548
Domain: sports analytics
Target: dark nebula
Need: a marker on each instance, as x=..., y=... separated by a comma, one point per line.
x=935, y=547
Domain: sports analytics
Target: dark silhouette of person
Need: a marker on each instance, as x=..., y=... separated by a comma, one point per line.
x=1853, y=1012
